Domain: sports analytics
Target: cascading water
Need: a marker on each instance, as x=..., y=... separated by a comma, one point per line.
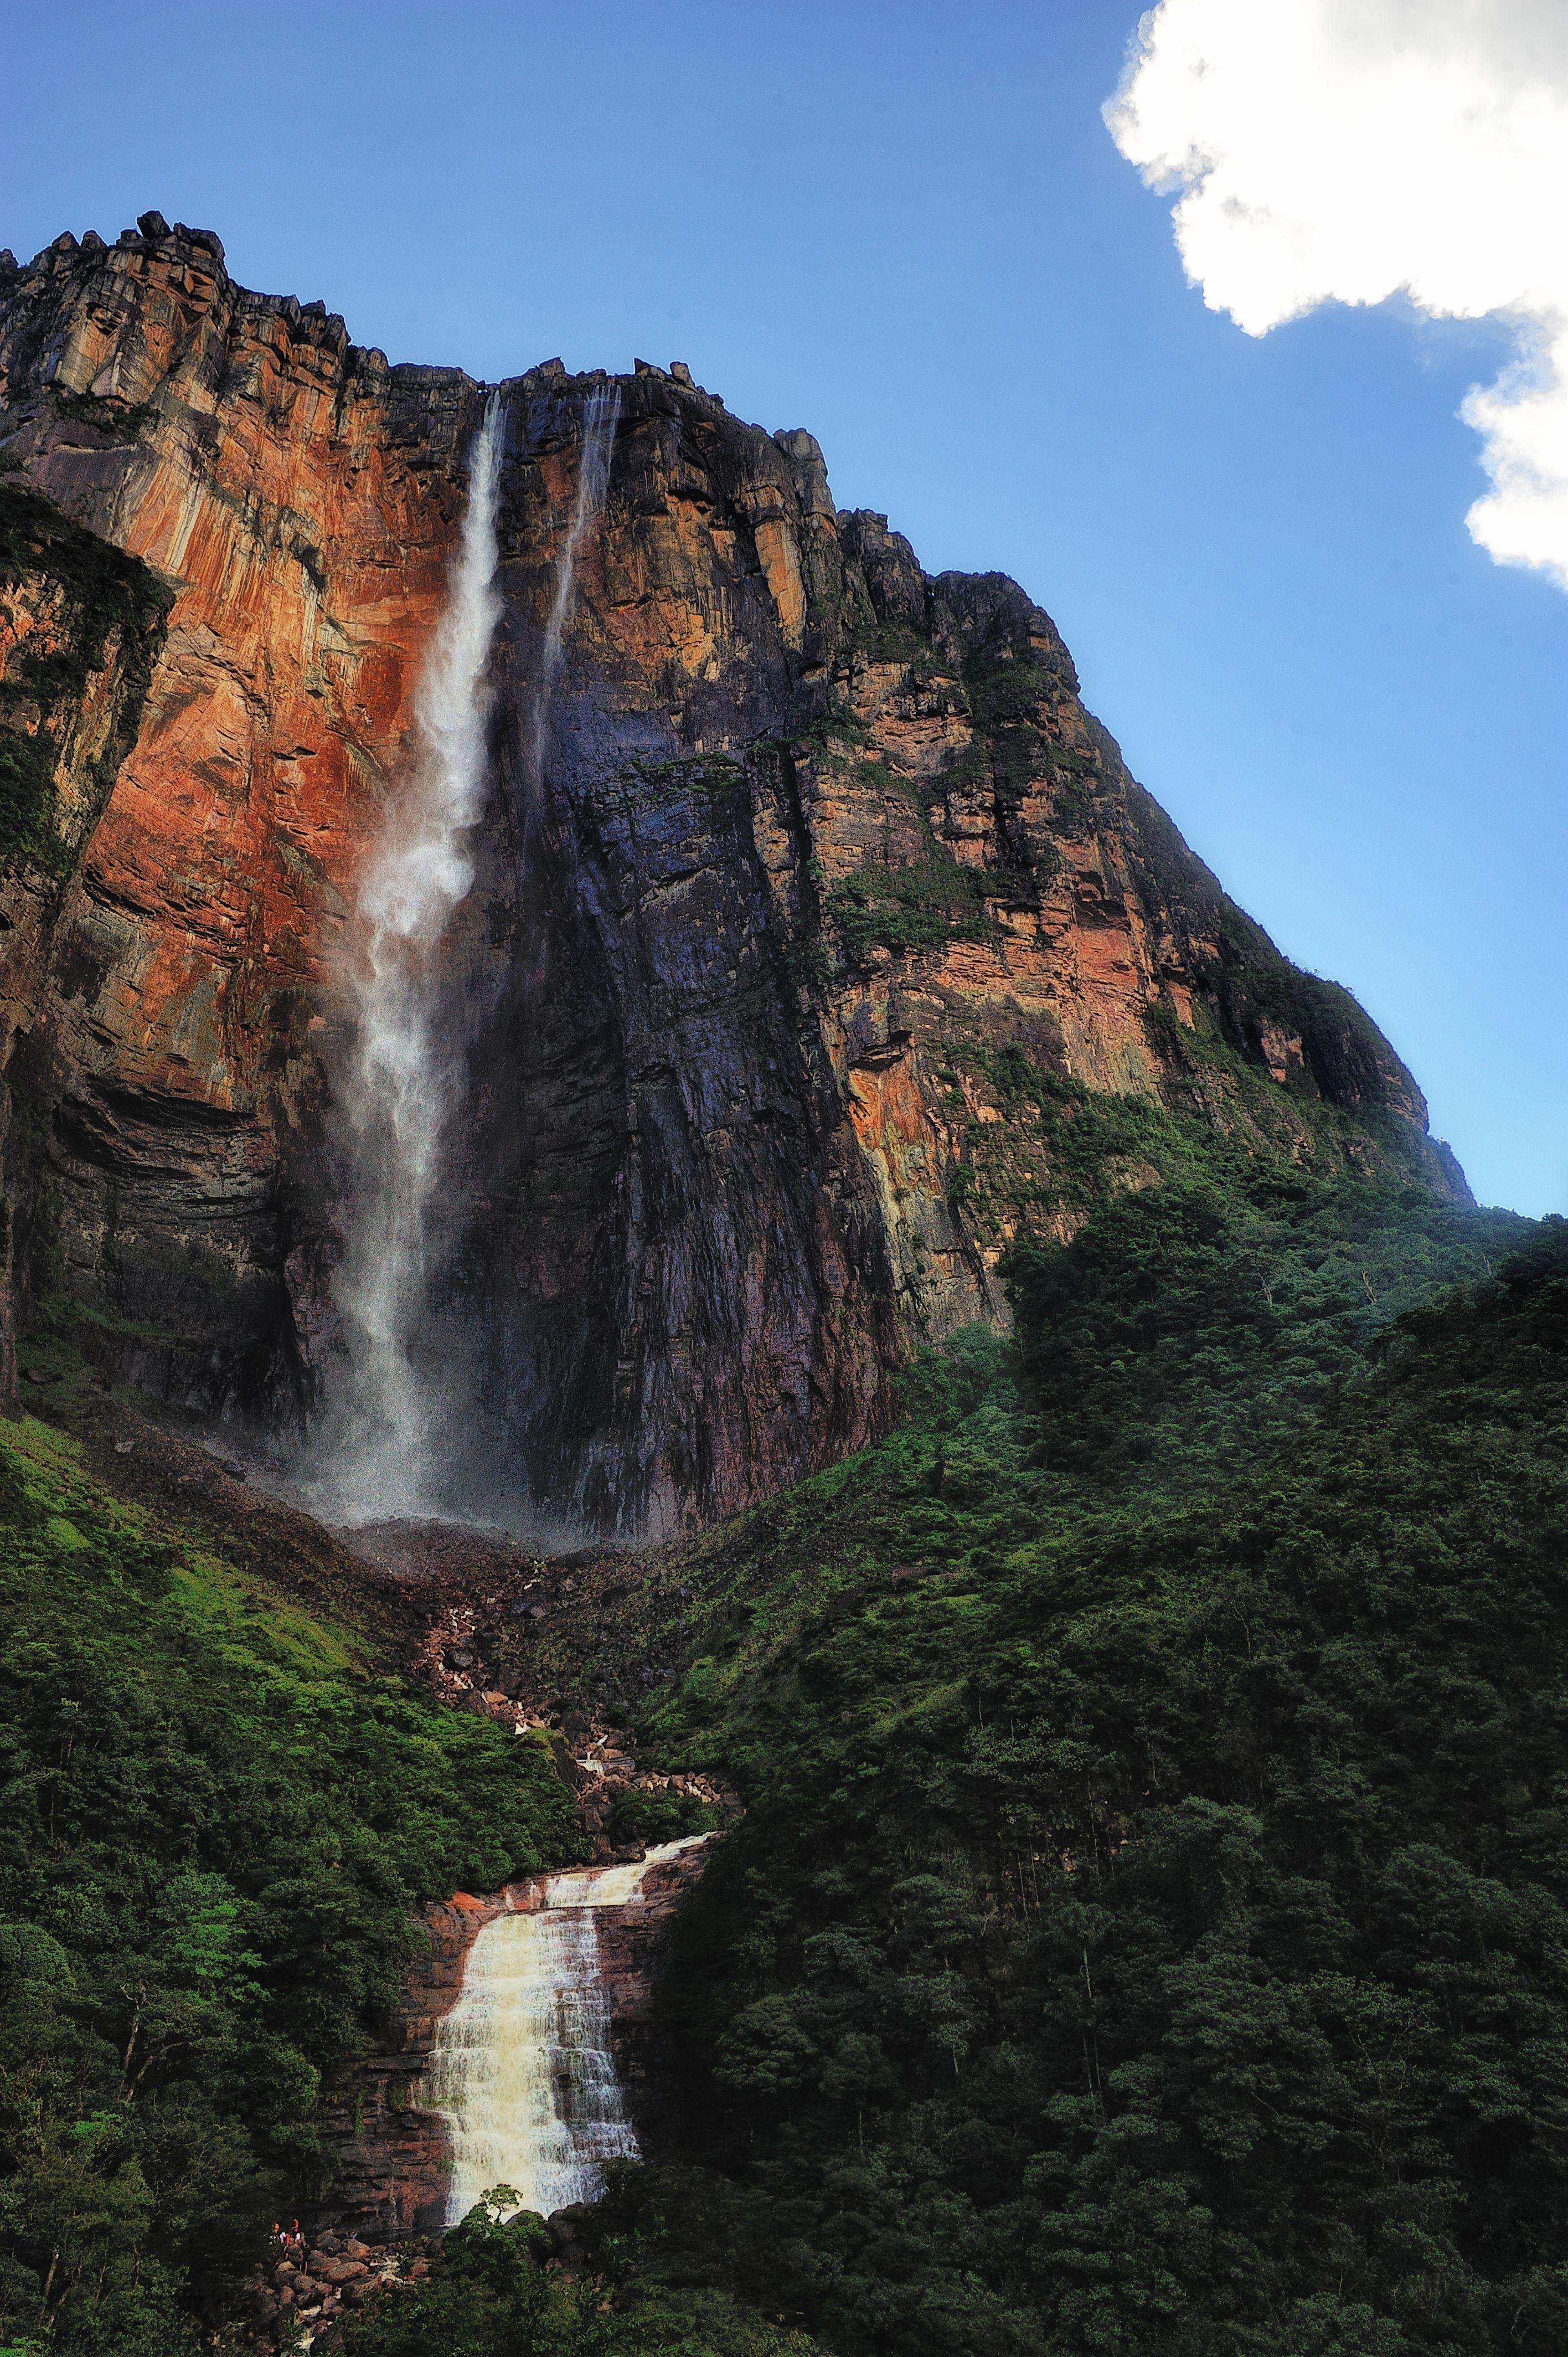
x=600, y=413
x=398, y=1079
x=522, y=2065
x=389, y=1435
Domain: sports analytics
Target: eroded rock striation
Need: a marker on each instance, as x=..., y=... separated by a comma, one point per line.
x=803, y=854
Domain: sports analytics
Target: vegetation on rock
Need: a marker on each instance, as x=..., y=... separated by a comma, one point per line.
x=218, y=1809
x=923, y=905
x=1148, y=1931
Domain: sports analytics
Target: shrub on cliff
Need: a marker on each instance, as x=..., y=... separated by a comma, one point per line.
x=492, y=2294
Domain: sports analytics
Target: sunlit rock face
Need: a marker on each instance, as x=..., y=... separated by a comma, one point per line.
x=299, y=504
x=791, y=846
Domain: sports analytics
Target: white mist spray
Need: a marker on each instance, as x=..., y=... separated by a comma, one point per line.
x=400, y=1075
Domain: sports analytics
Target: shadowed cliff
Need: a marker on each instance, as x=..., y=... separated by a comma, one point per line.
x=810, y=903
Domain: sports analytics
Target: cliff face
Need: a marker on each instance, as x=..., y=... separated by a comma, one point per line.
x=804, y=852
x=79, y=628
x=299, y=508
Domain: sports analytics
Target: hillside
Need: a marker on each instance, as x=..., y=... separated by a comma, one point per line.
x=1140, y=1933
x=221, y=1804
x=1144, y=1934
x=943, y=1362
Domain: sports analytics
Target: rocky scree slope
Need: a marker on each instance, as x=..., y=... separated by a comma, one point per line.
x=792, y=958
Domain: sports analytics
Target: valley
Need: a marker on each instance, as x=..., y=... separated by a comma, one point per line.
x=744, y=1467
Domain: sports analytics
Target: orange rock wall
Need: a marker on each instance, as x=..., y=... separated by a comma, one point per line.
x=298, y=499
x=702, y=1195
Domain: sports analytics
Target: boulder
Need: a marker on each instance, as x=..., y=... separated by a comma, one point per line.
x=343, y=2271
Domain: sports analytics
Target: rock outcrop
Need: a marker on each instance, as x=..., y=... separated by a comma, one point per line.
x=81, y=625
x=809, y=855
x=301, y=2298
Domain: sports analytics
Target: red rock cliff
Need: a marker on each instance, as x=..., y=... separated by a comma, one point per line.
x=818, y=839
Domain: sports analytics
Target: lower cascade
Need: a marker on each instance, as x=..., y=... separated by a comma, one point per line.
x=522, y=2065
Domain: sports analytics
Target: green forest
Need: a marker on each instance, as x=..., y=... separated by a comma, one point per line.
x=219, y=1809
x=1147, y=1931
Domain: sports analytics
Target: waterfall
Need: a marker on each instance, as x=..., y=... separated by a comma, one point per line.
x=389, y=1438
x=522, y=2065
x=397, y=1078
x=600, y=412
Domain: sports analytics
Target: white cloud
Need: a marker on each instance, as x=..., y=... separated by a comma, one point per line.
x=1347, y=150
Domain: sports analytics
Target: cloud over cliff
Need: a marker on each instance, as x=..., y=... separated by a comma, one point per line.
x=1349, y=150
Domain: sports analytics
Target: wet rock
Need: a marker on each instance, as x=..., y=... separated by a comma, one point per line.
x=392, y=2156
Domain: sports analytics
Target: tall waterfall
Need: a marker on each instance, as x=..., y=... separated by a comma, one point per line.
x=386, y=1445
x=600, y=412
x=399, y=1077
x=522, y=2065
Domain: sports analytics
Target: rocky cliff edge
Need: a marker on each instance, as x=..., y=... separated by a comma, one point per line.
x=805, y=919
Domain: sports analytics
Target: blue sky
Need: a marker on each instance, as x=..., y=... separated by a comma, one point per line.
x=906, y=227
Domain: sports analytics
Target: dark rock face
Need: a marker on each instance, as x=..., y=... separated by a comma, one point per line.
x=391, y=2157
x=81, y=625
x=633, y=1946
x=812, y=840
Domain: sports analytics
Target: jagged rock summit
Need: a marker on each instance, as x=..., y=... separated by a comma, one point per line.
x=824, y=876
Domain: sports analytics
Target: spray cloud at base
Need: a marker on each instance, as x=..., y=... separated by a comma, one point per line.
x=401, y=1432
